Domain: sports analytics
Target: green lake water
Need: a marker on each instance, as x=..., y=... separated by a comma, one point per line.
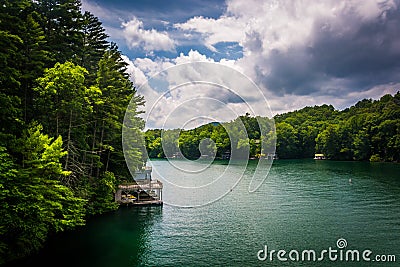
x=302, y=205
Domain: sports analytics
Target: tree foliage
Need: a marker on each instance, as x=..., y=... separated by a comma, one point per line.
x=64, y=91
x=369, y=130
x=34, y=200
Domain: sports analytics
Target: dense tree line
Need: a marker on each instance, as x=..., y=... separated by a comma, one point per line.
x=369, y=130
x=243, y=136
x=63, y=94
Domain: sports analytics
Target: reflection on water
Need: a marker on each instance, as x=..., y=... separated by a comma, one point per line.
x=114, y=239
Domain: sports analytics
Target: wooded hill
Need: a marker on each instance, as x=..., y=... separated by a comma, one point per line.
x=369, y=130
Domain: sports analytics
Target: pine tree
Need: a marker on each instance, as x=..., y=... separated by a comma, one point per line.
x=94, y=44
x=34, y=58
x=117, y=93
x=62, y=23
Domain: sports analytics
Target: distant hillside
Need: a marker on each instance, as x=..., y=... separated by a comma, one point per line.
x=369, y=130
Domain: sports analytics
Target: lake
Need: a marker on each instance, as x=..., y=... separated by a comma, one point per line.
x=303, y=205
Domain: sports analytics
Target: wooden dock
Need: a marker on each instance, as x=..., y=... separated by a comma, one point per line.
x=142, y=203
x=140, y=193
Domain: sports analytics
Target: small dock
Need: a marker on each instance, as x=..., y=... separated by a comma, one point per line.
x=143, y=203
x=143, y=191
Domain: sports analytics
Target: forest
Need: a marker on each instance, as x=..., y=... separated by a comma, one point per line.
x=367, y=131
x=64, y=90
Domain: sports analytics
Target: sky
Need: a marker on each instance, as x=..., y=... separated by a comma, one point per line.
x=297, y=53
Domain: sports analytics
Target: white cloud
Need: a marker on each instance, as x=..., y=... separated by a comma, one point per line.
x=136, y=74
x=191, y=104
x=149, y=40
x=193, y=92
x=283, y=53
x=267, y=27
x=223, y=29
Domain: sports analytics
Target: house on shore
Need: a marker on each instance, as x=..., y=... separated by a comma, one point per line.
x=319, y=156
x=142, y=191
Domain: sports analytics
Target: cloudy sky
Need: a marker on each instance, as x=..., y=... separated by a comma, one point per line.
x=298, y=53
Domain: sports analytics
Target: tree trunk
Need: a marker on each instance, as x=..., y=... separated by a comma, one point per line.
x=68, y=140
x=101, y=148
x=93, y=146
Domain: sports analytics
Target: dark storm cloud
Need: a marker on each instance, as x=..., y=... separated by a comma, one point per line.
x=358, y=55
x=225, y=96
x=290, y=72
x=371, y=48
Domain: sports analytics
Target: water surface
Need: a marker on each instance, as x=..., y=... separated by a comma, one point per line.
x=303, y=204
